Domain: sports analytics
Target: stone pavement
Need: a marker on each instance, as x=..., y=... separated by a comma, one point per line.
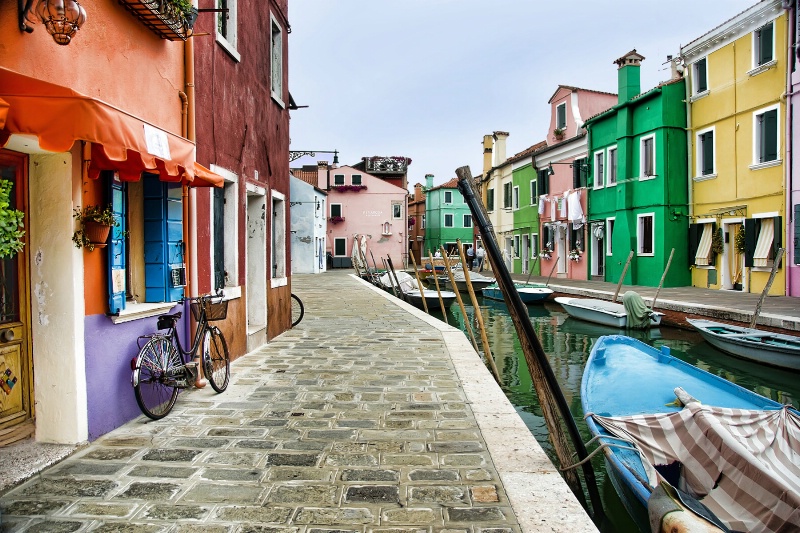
x=369, y=416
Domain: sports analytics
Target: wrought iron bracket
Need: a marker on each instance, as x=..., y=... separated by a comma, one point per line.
x=24, y=7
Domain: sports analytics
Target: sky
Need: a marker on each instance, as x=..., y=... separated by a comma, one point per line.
x=427, y=79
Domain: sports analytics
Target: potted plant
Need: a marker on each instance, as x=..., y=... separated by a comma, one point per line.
x=558, y=133
x=10, y=223
x=96, y=223
x=717, y=245
x=574, y=255
x=336, y=219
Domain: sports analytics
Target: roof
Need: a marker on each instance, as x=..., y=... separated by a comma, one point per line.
x=309, y=176
x=451, y=184
x=755, y=7
x=572, y=88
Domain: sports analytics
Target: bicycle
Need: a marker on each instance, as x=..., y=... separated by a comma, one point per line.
x=298, y=310
x=162, y=366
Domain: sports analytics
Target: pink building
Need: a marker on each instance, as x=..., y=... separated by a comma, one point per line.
x=366, y=210
x=562, y=175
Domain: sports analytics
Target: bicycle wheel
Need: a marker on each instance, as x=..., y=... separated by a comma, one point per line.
x=216, y=361
x=298, y=310
x=153, y=379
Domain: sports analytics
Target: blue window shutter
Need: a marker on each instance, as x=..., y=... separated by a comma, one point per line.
x=116, y=246
x=163, y=234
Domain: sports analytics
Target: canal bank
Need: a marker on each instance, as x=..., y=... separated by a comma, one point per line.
x=367, y=416
x=777, y=312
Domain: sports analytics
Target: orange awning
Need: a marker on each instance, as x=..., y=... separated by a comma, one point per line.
x=59, y=116
x=206, y=178
x=3, y=112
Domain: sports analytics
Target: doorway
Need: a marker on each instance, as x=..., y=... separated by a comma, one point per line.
x=16, y=365
x=732, y=260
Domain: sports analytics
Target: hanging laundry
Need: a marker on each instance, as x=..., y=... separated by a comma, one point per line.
x=575, y=212
x=563, y=206
x=553, y=208
x=541, y=205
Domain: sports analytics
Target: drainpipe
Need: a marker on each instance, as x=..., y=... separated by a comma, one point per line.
x=189, y=195
x=791, y=8
x=689, y=138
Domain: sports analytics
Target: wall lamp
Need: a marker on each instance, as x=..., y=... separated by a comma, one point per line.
x=297, y=154
x=61, y=18
x=550, y=170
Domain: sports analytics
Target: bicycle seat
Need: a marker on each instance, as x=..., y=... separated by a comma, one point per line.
x=168, y=321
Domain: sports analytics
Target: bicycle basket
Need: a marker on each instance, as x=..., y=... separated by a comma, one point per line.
x=214, y=310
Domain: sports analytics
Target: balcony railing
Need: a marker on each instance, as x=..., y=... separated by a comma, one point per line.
x=162, y=17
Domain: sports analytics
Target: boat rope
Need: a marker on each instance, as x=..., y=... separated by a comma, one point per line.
x=593, y=453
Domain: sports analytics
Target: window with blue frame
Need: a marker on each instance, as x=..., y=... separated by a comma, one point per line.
x=145, y=252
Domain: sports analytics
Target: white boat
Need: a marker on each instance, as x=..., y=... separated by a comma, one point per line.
x=406, y=280
x=767, y=347
x=414, y=297
x=601, y=311
x=528, y=292
x=477, y=280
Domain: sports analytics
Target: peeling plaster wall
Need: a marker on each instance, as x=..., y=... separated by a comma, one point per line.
x=57, y=302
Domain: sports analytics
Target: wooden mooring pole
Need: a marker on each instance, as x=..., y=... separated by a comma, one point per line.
x=775, y=264
x=438, y=290
x=551, y=399
x=622, y=277
x=458, y=297
x=663, y=276
x=419, y=281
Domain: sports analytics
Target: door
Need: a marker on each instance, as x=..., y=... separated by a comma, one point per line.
x=561, y=249
x=16, y=372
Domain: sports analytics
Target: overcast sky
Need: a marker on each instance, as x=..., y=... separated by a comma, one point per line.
x=427, y=79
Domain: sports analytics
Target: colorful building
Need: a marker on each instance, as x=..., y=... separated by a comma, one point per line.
x=497, y=191
x=638, y=198
x=557, y=188
x=76, y=132
x=308, y=227
x=525, y=235
x=448, y=218
x=792, y=222
x=736, y=91
x=416, y=221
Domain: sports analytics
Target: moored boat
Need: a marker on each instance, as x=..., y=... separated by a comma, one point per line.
x=414, y=297
x=528, y=292
x=628, y=392
x=603, y=312
x=477, y=280
x=767, y=347
x=407, y=281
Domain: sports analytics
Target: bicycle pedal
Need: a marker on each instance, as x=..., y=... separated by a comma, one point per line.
x=192, y=364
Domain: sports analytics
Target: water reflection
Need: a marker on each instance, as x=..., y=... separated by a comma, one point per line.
x=567, y=343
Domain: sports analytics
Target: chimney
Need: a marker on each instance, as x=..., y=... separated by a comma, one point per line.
x=488, y=143
x=428, y=181
x=500, y=147
x=628, y=77
x=418, y=192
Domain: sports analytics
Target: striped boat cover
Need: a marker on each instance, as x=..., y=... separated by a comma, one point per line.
x=743, y=465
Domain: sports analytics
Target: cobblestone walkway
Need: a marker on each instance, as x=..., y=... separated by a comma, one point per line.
x=355, y=421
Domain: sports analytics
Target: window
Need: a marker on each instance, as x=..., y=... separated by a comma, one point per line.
x=705, y=153
x=533, y=192
x=599, y=159
x=700, y=238
x=276, y=62
x=423, y=222
x=762, y=239
x=647, y=157
x=534, y=245
x=765, y=141
x=544, y=181
x=338, y=179
x=448, y=197
x=763, y=45
x=612, y=166
x=561, y=116
x=579, y=172
x=336, y=210
x=516, y=246
x=700, y=76
x=340, y=246
x=467, y=221
x=575, y=238
x=609, y=236
x=397, y=211
x=226, y=27
x=490, y=200
x=355, y=179
x=224, y=229
x=448, y=220
x=507, y=195
x=515, y=198
x=645, y=234
x=278, y=240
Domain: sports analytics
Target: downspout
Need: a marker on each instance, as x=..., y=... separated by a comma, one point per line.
x=689, y=138
x=189, y=195
x=791, y=8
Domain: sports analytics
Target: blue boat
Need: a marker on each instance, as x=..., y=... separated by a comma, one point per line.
x=628, y=385
x=529, y=292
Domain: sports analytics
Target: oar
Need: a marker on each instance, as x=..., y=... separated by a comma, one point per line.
x=458, y=298
x=622, y=277
x=419, y=281
x=438, y=291
x=399, y=287
x=775, y=265
x=555, y=264
x=389, y=277
x=661, y=283
x=531, y=271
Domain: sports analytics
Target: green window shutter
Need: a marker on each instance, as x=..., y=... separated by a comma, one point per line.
x=576, y=174
x=707, y=141
x=702, y=76
x=765, y=44
x=561, y=116
x=219, y=237
x=750, y=236
x=777, y=240
x=490, y=200
x=769, y=136
x=116, y=245
x=694, y=241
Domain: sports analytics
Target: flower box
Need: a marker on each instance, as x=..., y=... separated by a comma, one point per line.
x=336, y=220
x=162, y=17
x=347, y=188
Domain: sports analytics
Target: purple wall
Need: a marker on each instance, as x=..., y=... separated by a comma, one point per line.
x=109, y=350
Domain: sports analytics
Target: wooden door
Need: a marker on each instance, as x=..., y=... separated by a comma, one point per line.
x=16, y=365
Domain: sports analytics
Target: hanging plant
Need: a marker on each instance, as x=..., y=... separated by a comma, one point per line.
x=739, y=241
x=717, y=245
x=11, y=222
x=96, y=223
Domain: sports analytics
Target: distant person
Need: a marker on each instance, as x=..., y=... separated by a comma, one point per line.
x=480, y=254
x=470, y=256
x=437, y=254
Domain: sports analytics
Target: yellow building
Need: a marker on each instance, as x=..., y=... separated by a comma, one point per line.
x=737, y=117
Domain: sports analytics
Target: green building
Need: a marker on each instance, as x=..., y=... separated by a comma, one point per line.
x=638, y=199
x=447, y=217
x=525, y=234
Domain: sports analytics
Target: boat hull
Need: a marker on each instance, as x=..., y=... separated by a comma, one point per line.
x=600, y=311
x=528, y=293
x=764, y=347
x=414, y=297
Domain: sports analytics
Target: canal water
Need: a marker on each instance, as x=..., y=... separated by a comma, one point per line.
x=568, y=341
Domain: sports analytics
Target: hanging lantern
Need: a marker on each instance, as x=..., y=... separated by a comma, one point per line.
x=62, y=18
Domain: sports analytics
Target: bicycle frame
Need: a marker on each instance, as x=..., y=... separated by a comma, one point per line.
x=202, y=327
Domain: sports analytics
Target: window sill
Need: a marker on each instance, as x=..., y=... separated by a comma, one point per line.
x=229, y=48
x=648, y=178
x=279, y=101
x=768, y=164
x=704, y=177
x=705, y=267
x=137, y=311
x=642, y=254
x=699, y=96
x=762, y=68
x=232, y=292
x=281, y=282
